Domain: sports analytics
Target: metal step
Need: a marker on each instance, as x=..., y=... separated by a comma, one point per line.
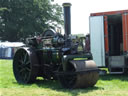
x=115, y=71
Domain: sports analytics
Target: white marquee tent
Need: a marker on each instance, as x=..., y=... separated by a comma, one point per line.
x=7, y=49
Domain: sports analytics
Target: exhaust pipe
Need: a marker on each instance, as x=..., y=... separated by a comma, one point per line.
x=67, y=19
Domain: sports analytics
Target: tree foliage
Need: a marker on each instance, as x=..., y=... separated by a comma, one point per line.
x=21, y=18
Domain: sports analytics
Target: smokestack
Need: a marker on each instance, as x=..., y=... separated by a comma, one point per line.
x=67, y=19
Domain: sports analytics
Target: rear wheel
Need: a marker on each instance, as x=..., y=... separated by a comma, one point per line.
x=25, y=65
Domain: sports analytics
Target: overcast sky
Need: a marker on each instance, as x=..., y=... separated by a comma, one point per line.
x=81, y=10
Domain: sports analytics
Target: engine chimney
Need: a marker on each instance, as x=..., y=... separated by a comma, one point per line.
x=67, y=19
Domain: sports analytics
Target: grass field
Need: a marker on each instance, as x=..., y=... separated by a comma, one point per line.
x=108, y=85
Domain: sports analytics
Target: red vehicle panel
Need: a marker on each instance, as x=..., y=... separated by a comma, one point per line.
x=125, y=31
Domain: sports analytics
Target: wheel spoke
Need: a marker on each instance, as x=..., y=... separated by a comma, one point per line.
x=20, y=62
x=28, y=62
x=25, y=77
x=25, y=57
x=28, y=69
x=20, y=66
x=21, y=75
x=21, y=58
x=22, y=70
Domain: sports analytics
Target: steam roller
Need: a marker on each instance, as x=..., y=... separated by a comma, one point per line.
x=54, y=56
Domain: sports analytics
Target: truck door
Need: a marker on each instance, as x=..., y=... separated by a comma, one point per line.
x=125, y=31
x=97, y=39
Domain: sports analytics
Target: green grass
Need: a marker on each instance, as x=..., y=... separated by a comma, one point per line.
x=108, y=85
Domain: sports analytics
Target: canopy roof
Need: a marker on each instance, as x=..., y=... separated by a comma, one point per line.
x=11, y=44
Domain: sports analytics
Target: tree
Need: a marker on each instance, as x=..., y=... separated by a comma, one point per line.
x=21, y=18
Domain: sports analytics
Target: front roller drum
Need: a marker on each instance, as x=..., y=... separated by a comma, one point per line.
x=82, y=74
